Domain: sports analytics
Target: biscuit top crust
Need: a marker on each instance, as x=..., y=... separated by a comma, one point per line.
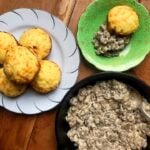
x=7, y=41
x=123, y=20
x=8, y=87
x=21, y=65
x=48, y=78
x=38, y=41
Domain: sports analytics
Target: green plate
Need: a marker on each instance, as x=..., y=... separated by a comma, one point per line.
x=132, y=55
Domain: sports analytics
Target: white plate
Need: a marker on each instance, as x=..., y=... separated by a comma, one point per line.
x=64, y=52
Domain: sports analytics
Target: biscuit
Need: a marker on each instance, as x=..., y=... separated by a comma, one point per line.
x=123, y=20
x=38, y=41
x=7, y=41
x=20, y=65
x=10, y=88
x=48, y=78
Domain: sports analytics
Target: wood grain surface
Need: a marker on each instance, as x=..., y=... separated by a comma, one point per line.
x=37, y=132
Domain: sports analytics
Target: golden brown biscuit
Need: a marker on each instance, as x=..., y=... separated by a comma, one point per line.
x=48, y=78
x=38, y=41
x=7, y=41
x=10, y=88
x=123, y=20
x=20, y=65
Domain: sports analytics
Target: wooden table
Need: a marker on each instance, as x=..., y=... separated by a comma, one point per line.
x=37, y=132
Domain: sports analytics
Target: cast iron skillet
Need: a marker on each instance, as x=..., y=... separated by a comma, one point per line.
x=62, y=126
